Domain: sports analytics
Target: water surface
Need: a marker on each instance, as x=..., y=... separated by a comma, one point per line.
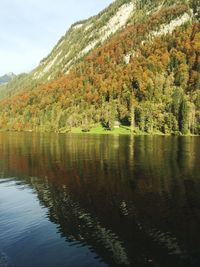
x=84, y=200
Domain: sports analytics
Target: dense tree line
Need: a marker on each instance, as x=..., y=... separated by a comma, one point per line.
x=152, y=85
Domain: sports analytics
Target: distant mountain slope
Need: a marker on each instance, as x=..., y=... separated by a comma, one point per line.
x=143, y=70
x=7, y=78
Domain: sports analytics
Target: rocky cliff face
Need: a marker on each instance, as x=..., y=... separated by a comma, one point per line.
x=83, y=37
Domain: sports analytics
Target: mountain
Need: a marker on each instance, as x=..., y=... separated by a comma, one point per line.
x=137, y=62
x=82, y=37
x=85, y=36
x=7, y=78
x=79, y=40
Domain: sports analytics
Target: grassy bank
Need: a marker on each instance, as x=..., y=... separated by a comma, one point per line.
x=98, y=129
x=101, y=130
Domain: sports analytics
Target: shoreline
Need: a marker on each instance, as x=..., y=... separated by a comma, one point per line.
x=99, y=130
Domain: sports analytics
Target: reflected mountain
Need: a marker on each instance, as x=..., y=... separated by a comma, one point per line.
x=135, y=201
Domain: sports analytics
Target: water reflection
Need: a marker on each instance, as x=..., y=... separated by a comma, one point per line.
x=135, y=201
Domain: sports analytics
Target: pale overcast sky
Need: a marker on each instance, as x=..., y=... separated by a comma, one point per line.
x=29, y=29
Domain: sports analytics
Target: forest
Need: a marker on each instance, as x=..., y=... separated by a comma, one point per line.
x=146, y=81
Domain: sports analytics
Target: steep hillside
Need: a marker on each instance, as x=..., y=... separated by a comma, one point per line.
x=143, y=71
x=78, y=41
x=83, y=37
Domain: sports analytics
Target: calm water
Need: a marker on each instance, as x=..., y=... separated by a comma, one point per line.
x=83, y=200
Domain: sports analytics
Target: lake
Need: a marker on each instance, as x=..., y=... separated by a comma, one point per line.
x=89, y=200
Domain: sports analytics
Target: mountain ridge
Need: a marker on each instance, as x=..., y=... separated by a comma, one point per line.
x=67, y=51
x=44, y=71
x=123, y=79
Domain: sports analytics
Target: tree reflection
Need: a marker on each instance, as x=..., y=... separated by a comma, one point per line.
x=134, y=200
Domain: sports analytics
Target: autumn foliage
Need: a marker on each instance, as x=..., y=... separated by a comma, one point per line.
x=153, y=82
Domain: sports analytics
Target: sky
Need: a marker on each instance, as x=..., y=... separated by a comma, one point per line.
x=29, y=29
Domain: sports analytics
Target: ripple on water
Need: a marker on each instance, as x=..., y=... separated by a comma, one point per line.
x=4, y=260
